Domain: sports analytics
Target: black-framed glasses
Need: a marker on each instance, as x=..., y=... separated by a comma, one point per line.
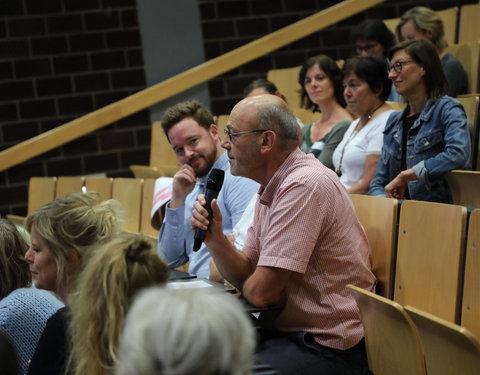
x=231, y=136
x=367, y=48
x=398, y=66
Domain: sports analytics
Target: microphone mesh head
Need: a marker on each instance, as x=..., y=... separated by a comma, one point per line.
x=215, y=179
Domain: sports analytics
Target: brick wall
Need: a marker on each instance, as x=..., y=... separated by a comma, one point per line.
x=60, y=59
x=228, y=24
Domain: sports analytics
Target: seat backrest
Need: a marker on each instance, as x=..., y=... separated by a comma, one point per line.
x=449, y=349
x=464, y=186
x=128, y=191
x=162, y=155
x=378, y=217
x=468, y=54
x=469, y=27
x=448, y=16
x=41, y=190
x=67, y=185
x=430, y=252
x=392, y=341
x=147, y=200
x=286, y=81
x=470, y=103
x=471, y=285
x=102, y=185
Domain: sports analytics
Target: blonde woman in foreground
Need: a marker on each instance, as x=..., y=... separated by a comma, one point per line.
x=186, y=332
x=113, y=274
x=62, y=234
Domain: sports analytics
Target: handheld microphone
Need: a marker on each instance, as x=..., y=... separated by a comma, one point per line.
x=214, y=184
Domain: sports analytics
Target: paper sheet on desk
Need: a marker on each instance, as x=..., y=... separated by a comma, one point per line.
x=189, y=284
x=161, y=193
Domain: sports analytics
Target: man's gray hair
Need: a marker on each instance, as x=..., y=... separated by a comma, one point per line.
x=280, y=120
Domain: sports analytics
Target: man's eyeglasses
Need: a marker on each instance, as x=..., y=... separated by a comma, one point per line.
x=232, y=136
x=367, y=48
x=398, y=66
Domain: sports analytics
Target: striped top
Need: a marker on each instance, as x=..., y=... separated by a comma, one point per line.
x=305, y=222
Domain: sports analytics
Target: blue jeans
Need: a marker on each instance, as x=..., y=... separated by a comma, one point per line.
x=299, y=353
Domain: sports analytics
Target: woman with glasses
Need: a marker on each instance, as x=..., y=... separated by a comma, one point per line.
x=366, y=89
x=423, y=23
x=429, y=137
x=321, y=91
x=372, y=37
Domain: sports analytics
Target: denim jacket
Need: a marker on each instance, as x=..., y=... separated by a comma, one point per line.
x=438, y=142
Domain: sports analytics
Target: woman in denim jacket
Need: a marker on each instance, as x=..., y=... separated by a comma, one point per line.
x=429, y=138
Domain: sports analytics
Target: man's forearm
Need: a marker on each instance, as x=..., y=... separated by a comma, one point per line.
x=232, y=264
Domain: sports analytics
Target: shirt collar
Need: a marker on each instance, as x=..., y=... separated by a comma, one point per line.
x=268, y=192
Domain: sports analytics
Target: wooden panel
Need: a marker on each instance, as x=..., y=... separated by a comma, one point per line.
x=448, y=16
x=469, y=27
x=162, y=155
x=378, y=217
x=181, y=82
x=67, y=185
x=430, y=252
x=147, y=200
x=468, y=54
x=128, y=191
x=471, y=287
x=146, y=171
x=41, y=190
x=465, y=187
x=103, y=186
x=449, y=349
x=470, y=103
x=392, y=341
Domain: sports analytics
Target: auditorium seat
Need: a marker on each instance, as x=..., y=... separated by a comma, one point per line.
x=430, y=253
x=392, y=341
x=378, y=217
x=468, y=25
x=449, y=349
x=471, y=285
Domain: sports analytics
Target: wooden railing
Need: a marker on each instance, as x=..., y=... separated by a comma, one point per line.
x=181, y=82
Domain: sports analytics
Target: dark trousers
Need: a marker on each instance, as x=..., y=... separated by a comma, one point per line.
x=299, y=353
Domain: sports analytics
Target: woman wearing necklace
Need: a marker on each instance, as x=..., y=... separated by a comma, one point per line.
x=366, y=89
x=320, y=79
x=429, y=137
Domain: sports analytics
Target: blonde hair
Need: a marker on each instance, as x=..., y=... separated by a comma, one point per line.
x=186, y=332
x=74, y=223
x=14, y=269
x=425, y=19
x=112, y=275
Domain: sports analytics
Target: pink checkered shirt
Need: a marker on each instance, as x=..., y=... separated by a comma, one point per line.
x=306, y=223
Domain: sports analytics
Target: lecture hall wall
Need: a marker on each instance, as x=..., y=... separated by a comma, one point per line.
x=61, y=59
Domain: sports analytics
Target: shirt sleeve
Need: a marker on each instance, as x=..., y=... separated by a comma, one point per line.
x=171, y=239
x=456, y=152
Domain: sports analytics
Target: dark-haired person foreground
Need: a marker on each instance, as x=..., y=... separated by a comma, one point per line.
x=304, y=246
x=429, y=137
x=194, y=137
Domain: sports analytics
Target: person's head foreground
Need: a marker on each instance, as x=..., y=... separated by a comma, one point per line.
x=186, y=332
x=62, y=232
